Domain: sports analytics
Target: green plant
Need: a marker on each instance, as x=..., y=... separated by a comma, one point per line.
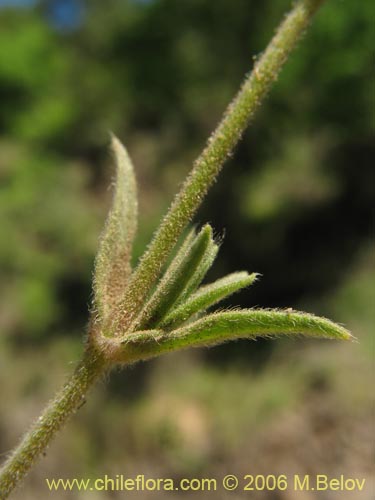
x=135, y=315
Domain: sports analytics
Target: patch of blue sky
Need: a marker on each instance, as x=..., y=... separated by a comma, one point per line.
x=66, y=14
x=17, y=3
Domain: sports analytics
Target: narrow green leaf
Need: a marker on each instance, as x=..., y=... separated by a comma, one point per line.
x=141, y=337
x=207, y=296
x=112, y=265
x=221, y=327
x=176, y=278
x=200, y=272
x=182, y=251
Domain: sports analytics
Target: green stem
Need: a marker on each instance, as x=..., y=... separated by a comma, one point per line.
x=208, y=165
x=66, y=403
x=206, y=168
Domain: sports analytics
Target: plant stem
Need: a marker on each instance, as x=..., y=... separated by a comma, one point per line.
x=206, y=168
x=66, y=403
x=209, y=163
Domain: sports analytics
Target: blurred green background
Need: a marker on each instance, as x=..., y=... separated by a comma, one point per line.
x=294, y=203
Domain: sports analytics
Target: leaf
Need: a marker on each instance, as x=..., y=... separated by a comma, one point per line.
x=175, y=280
x=112, y=265
x=221, y=327
x=200, y=272
x=207, y=296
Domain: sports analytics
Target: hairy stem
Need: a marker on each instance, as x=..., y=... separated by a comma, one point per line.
x=205, y=170
x=210, y=162
x=65, y=404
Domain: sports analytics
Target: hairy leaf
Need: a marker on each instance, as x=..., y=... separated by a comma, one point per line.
x=220, y=327
x=112, y=266
x=175, y=280
x=207, y=296
x=200, y=272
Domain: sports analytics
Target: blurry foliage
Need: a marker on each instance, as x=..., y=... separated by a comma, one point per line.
x=293, y=179
x=159, y=74
x=48, y=232
x=296, y=201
